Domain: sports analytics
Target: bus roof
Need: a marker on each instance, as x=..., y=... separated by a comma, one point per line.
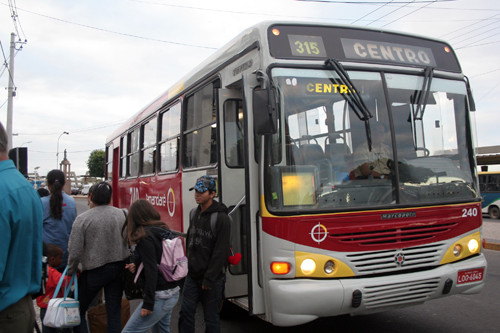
x=257, y=36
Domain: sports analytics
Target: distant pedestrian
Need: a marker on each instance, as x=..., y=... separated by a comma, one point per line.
x=59, y=213
x=207, y=252
x=96, y=242
x=146, y=230
x=21, y=218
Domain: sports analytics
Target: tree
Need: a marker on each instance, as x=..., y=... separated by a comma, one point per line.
x=96, y=163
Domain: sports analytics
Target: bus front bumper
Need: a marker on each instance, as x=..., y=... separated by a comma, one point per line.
x=298, y=301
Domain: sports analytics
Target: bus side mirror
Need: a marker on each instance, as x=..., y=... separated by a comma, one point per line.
x=264, y=111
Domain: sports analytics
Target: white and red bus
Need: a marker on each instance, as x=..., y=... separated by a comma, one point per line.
x=283, y=117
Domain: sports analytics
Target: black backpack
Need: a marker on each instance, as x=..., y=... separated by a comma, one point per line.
x=233, y=258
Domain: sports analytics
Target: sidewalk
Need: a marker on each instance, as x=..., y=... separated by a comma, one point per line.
x=491, y=234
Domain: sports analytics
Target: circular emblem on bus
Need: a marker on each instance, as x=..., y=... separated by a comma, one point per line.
x=318, y=233
x=171, y=202
x=399, y=258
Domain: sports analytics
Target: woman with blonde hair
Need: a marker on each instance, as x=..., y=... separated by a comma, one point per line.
x=145, y=229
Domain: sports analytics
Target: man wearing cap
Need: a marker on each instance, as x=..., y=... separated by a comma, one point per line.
x=207, y=252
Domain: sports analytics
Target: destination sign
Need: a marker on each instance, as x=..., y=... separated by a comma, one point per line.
x=317, y=42
x=398, y=53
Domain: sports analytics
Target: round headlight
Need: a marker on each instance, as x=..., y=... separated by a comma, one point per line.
x=457, y=249
x=329, y=267
x=473, y=245
x=308, y=266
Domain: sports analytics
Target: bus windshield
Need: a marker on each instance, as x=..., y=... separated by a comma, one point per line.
x=412, y=149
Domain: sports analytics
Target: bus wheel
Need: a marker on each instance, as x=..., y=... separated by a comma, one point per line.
x=494, y=212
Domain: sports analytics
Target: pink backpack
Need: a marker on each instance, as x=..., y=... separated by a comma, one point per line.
x=174, y=264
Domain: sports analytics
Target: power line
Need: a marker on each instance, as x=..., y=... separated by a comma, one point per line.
x=485, y=73
x=475, y=45
x=116, y=32
x=373, y=11
x=478, y=40
x=93, y=128
x=7, y=67
x=416, y=10
x=477, y=35
x=395, y=10
x=15, y=19
x=368, y=2
x=468, y=26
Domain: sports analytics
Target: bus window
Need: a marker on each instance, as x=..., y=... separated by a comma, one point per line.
x=233, y=133
x=109, y=162
x=200, y=131
x=149, y=147
x=169, y=141
x=123, y=156
x=133, y=138
x=493, y=184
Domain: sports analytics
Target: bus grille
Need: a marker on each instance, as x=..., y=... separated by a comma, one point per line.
x=375, y=297
x=376, y=262
x=402, y=237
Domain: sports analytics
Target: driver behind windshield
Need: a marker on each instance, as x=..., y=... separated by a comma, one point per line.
x=373, y=164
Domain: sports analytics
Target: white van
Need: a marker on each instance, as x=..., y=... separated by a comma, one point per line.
x=86, y=188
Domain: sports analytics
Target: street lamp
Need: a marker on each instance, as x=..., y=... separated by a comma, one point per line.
x=57, y=154
x=25, y=143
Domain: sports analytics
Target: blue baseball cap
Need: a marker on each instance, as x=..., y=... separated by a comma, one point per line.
x=204, y=183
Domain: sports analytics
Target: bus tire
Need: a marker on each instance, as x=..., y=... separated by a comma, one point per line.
x=494, y=212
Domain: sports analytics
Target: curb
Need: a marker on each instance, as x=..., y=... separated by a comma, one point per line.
x=491, y=246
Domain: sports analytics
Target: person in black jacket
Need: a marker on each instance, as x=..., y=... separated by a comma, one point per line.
x=145, y=229
x=207, y=252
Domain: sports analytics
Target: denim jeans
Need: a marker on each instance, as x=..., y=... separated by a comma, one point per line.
x=210, y=300
x=109, y=277
x=158, y=321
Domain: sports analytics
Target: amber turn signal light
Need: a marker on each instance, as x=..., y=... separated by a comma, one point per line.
x=280, y=268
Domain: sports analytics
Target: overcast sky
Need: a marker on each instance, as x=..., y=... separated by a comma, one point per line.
x=87, y=66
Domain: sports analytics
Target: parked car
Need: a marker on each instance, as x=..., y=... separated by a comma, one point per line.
x=75, y=190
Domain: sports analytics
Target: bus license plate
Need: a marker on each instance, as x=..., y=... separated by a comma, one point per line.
x=471, y=275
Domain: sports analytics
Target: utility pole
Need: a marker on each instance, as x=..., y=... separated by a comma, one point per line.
x=11, y=90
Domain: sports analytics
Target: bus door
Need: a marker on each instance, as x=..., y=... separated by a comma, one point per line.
x=232, y=183
x=252, y=253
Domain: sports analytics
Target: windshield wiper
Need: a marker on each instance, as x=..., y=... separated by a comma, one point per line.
x=353, y=98
x=419, y=102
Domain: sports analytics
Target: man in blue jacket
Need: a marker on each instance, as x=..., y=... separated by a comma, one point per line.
x=20, y=245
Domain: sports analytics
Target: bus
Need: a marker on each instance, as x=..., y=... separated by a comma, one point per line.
x=289, y=118
x=489, y=186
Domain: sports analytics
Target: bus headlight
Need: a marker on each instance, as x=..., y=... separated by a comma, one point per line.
x=329, y=267
x=308, y=266
x=315, y=265
x=473, y=245
x=463, y=248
